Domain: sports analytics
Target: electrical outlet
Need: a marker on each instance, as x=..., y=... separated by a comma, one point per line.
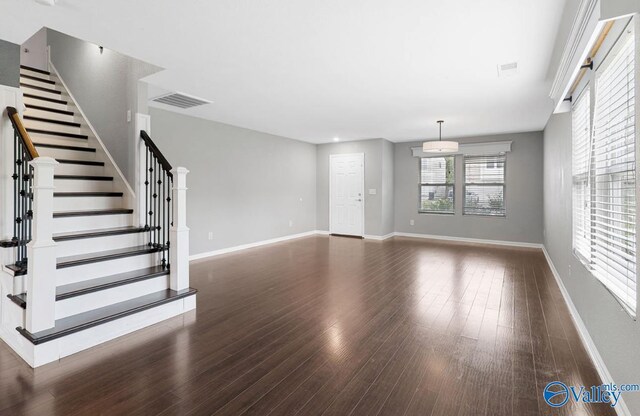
x=128, y=116
x=210, y=235
x=412, y=222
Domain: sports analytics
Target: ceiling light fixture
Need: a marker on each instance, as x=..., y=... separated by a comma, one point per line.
x=440, y=146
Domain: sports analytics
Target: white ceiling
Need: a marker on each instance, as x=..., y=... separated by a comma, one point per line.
x=312, y=70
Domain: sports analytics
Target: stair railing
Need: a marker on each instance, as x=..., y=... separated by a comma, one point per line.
x=166, y=212
x=158, y=208
x=33, y=227
x=23, y=152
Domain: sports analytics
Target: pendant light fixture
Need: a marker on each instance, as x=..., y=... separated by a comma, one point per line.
x=440, y=146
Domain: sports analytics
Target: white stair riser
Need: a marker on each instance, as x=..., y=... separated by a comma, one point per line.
x=43, y=125
x=91, y=222
x=40, y=93
x=95, y=245
x=54, y=350
x=38, y=83
x=73, y=169
x=90, y=301
x=44, y=103
x=74, y=185
x=105, y=268
x=63, y=141
x=86, y=202
x=24, y=71
x=65, y=154
x=50, y=115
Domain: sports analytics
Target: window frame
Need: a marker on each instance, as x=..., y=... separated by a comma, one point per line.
x=423, y=184
x=465, y=184
x=589, y=82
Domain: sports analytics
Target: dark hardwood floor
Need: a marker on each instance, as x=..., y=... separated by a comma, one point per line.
x=334, y=326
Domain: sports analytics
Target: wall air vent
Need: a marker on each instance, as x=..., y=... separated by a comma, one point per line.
x=508, y=69
x=180, y=100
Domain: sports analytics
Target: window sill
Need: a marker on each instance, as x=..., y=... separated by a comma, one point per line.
x=436, y=213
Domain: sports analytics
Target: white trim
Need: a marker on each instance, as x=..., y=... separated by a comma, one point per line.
x=585, y=29
x=470, y=240
x=378, y=237
x=621, y=408
x=132, y=194
x=331, y=156
x=471, y=149
x=251, y=245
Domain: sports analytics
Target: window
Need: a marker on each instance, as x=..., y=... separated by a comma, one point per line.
x=581, y=141
x=484, y=183
x=437, y=179
x=604, y=197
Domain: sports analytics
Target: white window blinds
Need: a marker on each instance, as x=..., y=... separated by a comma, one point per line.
x=581, y=133
x=604, y=174
x=437, y=181
x=613, y=207
x=484, y=185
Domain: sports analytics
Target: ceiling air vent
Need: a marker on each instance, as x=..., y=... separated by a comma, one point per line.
x=180, y=100
x=507, y=70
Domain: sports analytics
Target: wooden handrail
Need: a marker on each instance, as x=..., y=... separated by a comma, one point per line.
x=156, y=152
x=32, y=153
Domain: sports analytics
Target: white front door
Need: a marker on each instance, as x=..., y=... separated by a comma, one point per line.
x=346, y=194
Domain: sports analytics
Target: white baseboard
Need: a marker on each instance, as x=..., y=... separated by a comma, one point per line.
x=621, y=408
x=251, y=245
x=378, y=237
x=227, y=250
x=469, y=240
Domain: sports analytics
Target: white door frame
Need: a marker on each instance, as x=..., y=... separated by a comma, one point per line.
x=331, y=156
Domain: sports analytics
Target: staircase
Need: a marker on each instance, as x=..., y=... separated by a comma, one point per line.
x=112, y=275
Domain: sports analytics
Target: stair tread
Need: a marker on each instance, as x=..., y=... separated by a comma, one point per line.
x=51, y=110
x=80, y=162
x=31, y=77
x=35, y=87
x=77, y=235
x=102, y=283
x=58, y=133
x=101, y=232
x=48, y=120
x=86, y=320
x=30, y=68
x=85, y=213
x=39, y=97
x=86, y=194
x=65, y=147
x=84, y=177
x=105, y=255
x=20, y=300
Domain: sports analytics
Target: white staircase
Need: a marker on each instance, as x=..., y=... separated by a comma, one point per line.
x=109, y=279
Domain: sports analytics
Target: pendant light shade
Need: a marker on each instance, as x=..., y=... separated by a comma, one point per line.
x=440, y=146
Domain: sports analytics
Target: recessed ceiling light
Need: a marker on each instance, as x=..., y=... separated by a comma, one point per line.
x=336, y=139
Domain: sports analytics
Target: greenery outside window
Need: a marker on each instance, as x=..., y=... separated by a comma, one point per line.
x=437, y=185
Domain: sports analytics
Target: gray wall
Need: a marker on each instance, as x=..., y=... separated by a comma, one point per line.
x=33, y=51
x=244, y=186
x=105, y=86
x=614, y=333
x=9, y=64
x=523, y=222
x=388, y=188
x=377, y=215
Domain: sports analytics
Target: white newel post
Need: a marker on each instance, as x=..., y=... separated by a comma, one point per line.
x=179, y=243
x=41, y=251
